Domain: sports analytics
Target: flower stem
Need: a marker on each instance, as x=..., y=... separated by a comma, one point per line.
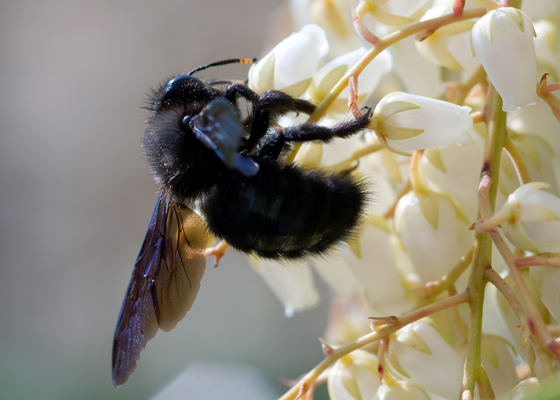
x=536, y=261
x=477, y=77
x=382, y=44
x=496, y=122
x=380, y=333
x=415, y=178
x=517, y=160
x=345, y=164
x=391, y=211
x=495, y=278
x=535, y=322
x=430, y=292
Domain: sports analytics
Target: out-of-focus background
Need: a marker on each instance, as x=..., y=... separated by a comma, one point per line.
x=76, y=197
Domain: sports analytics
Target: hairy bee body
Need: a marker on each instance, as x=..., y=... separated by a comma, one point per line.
x=283, y=211
x=202, y=152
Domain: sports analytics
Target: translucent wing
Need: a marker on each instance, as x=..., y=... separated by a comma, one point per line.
x=164, y=283
x=218, y=128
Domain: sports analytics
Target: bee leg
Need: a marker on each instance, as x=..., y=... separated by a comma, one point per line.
x=310, y=132
x=269, y=106
x=233, y=90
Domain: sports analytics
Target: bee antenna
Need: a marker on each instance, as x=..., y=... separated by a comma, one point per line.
x=224, y=62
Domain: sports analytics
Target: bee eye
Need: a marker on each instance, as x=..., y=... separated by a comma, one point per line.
x=186, y=120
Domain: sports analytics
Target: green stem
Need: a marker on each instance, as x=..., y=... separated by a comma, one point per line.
x=496, y=122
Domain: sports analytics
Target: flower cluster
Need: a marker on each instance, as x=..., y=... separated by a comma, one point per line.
x=455, y=89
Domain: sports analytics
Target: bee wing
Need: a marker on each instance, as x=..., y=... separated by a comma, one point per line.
x=182, y=266
x=218, y=128
x=163, y=286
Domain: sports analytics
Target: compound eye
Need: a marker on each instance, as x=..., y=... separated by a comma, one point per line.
x=186, y=120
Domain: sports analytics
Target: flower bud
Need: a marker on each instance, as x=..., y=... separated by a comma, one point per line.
x=547, y=283
x=421, y=354
x=404, y=122
x=393, y=13
x=400, y=390
x=454, y=170
x=290, y=66
x=430, y=229
x=498, y=363
x=380, y=279
x=328, y=76
x=354, y=377
x=503, y=41
x=448, y=45
x=530, y=219
x=547, y=46
x=291, y=282
x=526, y=390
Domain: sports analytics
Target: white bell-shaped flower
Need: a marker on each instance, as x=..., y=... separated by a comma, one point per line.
x=291, y=282
x=507, y=317
x=526, y=390
x=418, y=76
x=329, y=75
x=537, y=120
x=373, y=262
x=354, y=377
x=454, y=170
x=290, y=66
x=337, y=274
x=547, y=282
x=448, y=46
x=421, y=354
x=529, y=219
x=393, y=12
x=503, y=42
x=401, y=390
x=547, y=46
x=429, y=226
x=537, y=10
x=539, y=159
x=405, y=122
x=498, y=363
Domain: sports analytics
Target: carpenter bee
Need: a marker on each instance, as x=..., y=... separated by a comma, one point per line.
x=202, y=152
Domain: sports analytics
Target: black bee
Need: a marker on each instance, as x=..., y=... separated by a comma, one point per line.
x=202, y=152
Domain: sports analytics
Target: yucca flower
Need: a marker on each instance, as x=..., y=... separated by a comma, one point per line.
x=290, y=66
x=405, y=122
x=503, y=41
x=530, y=219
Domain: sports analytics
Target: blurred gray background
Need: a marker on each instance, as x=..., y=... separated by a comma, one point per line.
x=76, y=197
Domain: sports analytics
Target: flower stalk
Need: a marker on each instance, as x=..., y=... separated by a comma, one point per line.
x=379, y=46
x=381, y=332
x=496, y=122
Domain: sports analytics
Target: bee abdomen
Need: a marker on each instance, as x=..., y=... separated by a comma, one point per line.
x=286, y=212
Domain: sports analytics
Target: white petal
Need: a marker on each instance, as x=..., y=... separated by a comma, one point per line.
x=548, y=280
x=527, y=389
x=297, y=57
x=291, y=282
x=427, y=370
x=509, y=59
x=443, y=123
x=498, y=364
x=337, y=274
x=376, y=267
x=433, y=251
